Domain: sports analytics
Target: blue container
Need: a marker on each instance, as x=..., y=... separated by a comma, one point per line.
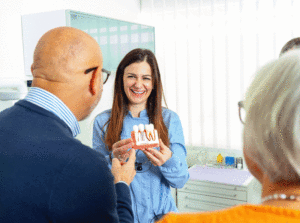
x=229, y=160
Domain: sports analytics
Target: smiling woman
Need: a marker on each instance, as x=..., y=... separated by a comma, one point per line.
x=138, y=84
x=138, y=87
x=138, y=101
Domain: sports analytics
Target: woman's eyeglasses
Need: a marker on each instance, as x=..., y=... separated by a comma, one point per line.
x=242, y=112
x=105, y=73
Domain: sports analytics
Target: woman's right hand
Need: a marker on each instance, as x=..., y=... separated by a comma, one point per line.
x=120, y=149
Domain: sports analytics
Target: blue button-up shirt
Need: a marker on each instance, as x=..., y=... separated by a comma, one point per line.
x=150, y=190
x=50, y=102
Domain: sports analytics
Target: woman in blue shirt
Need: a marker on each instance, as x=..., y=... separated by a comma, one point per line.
x=138, y=100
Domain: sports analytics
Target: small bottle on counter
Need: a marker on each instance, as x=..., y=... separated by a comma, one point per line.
x=239, y=163
x=219, y=158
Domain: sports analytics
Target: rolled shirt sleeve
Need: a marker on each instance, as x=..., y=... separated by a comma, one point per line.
x=99, y=129
x=175, y=170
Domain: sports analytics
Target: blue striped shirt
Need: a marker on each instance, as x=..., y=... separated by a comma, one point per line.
x=50, y=102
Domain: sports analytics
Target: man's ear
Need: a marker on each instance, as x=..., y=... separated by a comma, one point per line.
x=32, y=68
x=94, y=82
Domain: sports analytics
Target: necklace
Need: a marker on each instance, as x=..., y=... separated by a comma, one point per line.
x=139, y=166
x=281, y=197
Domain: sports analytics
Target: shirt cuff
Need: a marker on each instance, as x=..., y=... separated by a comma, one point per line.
x=174, y=161
x=111, y=156
x=123, y=182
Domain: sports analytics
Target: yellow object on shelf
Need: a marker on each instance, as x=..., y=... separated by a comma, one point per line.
x=220, y=158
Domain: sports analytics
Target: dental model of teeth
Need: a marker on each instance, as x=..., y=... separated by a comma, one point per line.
x=144, y=136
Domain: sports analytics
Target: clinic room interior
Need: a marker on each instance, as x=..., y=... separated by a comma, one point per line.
x=207, y=52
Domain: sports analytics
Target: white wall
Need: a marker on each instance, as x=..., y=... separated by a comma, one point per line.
x=11, y=48
x=208, y=51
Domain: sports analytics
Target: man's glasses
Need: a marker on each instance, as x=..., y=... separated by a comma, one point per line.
x=242, y=113
x=105, y=73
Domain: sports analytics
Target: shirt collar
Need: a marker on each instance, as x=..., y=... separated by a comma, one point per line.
x=143, y=114
x=50, y=102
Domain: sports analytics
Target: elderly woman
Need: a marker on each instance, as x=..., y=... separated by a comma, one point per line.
x=271, y=147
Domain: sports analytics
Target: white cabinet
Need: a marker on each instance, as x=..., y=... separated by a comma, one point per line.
x=174, y=194
x=212, y=189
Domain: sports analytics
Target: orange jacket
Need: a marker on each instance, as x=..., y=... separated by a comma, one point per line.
x=238, y=214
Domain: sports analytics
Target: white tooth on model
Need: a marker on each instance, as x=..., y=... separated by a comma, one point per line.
x=147, y=128
x=140, y=134
x=141, y=127
x=151, y=127
x=135, y=128
x=156, y=136
x=136, y=132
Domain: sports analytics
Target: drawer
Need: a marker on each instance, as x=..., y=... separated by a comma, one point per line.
x=215, y=191
x=216, y=185
x=191, y=207
x=186, y=205
x=204, y=202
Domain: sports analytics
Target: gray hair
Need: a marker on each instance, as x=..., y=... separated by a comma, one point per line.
x=272, y=125
x=290, y=45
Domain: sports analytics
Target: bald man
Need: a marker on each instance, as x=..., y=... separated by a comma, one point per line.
x=46, y=175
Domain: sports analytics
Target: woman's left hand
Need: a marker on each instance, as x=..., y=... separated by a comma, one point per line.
x=158, y=158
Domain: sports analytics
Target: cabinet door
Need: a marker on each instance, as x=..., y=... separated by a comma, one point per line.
x=174, y=194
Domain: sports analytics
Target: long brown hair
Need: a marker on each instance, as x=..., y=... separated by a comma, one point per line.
x=121, y=102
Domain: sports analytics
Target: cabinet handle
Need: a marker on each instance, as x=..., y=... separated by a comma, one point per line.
x=234, y=195
x=197, y=209
x=206, y=192
x=209, y=186
x=206, y=202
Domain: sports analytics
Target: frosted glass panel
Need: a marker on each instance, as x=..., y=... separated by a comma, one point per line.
x=116, y=38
